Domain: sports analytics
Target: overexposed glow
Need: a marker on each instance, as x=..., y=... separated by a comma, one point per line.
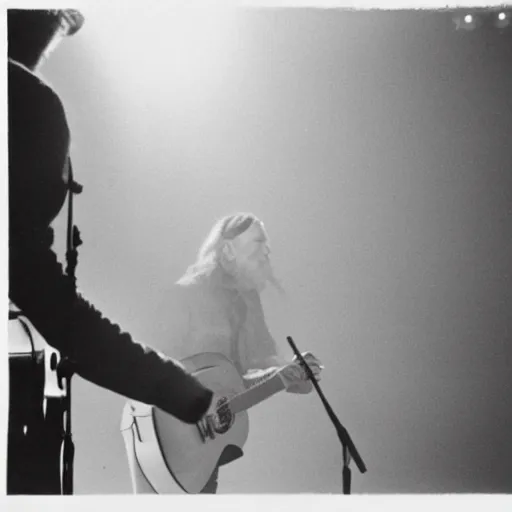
x=175, y=51
x=468, y=18
x=198, y=46
x=502, y=16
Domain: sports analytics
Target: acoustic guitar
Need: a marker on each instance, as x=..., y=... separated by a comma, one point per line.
x=31, y=359
x=178, y=457
x=37, y=405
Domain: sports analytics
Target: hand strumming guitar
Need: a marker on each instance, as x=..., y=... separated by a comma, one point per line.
x=295, y=377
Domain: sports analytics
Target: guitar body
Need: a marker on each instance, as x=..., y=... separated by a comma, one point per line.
x=173, y=456
x=25, y=358
x=190, y=456
x=36, y=409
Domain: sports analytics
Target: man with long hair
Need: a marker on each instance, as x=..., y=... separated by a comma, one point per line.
x=39, y=176
x=219, y=305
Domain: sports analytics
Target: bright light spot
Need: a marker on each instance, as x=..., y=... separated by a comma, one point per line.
x=502, y=16
x=162, y=53
x=468, y=18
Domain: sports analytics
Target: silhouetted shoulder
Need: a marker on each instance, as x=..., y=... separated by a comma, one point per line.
x=38, y=151
x=37, y=94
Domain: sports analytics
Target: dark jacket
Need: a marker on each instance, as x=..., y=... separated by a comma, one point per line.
x=38, y=155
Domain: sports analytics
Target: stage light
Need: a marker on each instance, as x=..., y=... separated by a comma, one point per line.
x=502, y=20
x=465, y=21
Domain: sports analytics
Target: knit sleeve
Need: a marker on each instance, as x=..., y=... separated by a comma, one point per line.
x=102, y=353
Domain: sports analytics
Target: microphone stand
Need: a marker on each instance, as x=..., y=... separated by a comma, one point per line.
x=65, y=367
x=348, y=448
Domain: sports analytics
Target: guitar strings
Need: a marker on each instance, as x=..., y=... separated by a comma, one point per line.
x=257, y=383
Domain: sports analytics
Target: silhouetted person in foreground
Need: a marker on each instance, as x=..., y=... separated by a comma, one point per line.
x=39, y=169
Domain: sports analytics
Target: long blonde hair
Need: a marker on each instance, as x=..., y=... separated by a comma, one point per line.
x=226, y=228
x=210, y=253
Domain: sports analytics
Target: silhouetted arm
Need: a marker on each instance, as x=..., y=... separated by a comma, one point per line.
x=103, y=354
x=38, y=152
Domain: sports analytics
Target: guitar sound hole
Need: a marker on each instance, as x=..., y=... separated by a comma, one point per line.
x=224, y=417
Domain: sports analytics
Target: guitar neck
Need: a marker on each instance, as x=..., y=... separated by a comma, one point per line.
x=256, y=394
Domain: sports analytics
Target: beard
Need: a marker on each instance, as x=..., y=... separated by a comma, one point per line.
x=268, y=276
x=256, y=276
x=276, y=283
